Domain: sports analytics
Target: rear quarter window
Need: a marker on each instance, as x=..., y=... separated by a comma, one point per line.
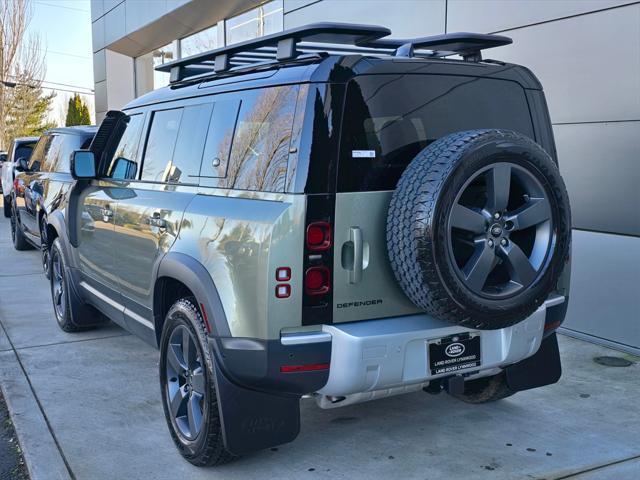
x=260, y=149
x=389, y=119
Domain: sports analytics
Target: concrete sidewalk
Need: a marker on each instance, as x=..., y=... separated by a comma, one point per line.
x=88, y=406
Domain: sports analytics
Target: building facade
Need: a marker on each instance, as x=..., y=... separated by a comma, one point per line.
x=585, y=52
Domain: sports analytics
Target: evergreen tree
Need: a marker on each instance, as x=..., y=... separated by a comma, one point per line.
x=25, y=110
x=78, y=112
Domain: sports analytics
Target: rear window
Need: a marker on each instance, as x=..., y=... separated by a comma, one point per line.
x=389, y=119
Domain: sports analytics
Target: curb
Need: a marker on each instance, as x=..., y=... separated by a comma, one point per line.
x=42, y=457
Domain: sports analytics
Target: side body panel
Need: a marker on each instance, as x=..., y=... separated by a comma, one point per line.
x=147, y=222
x=95, y=255
x=241, y=238
x=38, y=194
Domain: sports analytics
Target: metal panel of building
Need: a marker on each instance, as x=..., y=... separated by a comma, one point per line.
x=601, y=167
x=498, y=15
x=405, y=18
x=605, y=289
x=589, y=65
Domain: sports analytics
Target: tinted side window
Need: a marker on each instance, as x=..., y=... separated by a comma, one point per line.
x=161, y=143
x=389, y=119
x=260, y=148
x=39, y=153
x=184, y=167
x=24, y=150
x=66, y=146
x=219, y=137
x=124, y=161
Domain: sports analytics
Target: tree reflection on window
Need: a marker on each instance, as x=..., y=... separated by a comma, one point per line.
x=261, y=143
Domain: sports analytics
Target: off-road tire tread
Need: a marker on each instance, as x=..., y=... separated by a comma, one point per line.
x=214, y=452
x=410, y=228
x=66, y=325
x=20, y=243
x=6, y=206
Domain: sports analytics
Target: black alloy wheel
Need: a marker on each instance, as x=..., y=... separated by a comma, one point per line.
x=185, y=383
x=58, y=288
x=45, y=248
x=500, y=230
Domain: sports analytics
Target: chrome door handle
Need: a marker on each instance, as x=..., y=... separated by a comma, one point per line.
x=355, y=237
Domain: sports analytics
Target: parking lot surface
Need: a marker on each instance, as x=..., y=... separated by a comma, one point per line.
x=88, y=406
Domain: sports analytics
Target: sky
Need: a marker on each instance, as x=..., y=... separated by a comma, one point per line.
x=64, y=27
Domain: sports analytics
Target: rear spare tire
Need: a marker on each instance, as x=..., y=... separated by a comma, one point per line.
x=479, y=227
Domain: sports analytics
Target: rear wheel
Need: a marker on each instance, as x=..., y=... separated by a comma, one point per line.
x=187, y=385
x=485, y=390
x=6, y=206
x=19, y=240
x=45, y=248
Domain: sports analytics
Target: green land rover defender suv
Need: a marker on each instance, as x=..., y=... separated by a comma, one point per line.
x=323, y=212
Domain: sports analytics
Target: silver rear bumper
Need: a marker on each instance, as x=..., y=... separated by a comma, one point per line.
x=378, y=358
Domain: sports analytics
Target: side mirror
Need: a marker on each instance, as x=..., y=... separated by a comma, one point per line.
x=124, y=169
x=22, y=165
x=83, y=165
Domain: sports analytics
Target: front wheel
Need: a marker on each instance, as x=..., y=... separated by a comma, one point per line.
x=187, y=385
x=60, y=290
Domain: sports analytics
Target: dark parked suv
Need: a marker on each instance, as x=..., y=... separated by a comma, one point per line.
x=42, y=185
x=323, y=212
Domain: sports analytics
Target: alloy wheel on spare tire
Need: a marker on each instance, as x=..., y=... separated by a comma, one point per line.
x=478, y=229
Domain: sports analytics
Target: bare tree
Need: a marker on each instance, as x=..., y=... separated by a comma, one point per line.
x=23, y=107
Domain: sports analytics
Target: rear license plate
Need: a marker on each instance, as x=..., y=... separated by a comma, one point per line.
x=450, y=354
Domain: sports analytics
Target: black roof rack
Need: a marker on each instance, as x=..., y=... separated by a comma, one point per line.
x=467, y=45
x=327, y=37
x=285, y=48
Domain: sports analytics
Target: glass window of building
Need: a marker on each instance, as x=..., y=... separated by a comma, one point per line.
x=199, y=42
x=147, y=78
x=260, y=21
x=163, y=55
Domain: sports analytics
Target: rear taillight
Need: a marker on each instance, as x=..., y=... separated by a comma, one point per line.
x=317, y=298
x=317, y=281
x=319, y=236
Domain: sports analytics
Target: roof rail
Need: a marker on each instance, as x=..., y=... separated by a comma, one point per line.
x=262, y=49
x=468, y=45
x=326, y=37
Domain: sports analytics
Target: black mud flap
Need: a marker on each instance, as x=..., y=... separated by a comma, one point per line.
x=82, y=314
x=253, y=420
x=543, y=368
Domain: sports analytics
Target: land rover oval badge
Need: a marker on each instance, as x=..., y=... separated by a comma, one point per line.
x=454, y=350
